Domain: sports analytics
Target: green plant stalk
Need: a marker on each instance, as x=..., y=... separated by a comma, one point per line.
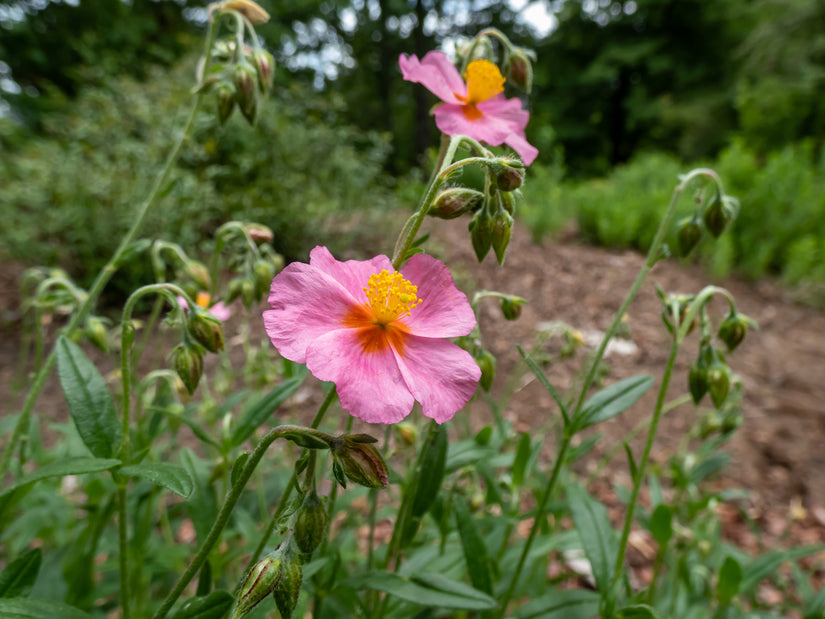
x=652, y=258
x=290, y=486
x=110, y=268
x=640, y=470
x=540, y=515
x=221, y=520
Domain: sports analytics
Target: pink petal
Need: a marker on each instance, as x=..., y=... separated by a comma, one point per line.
x=525, y=150
x=370, y=386
x=450, y=120
x=306, y=303
x=352, y=274
x=444, y=310
x=220, y=311
x=442, y=376
x=436, y=73
x=182, y=302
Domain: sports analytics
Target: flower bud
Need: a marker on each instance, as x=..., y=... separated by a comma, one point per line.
x=252, y=11
x=310, y=523
x=509, y=199
x=455, y=201
x=264, y=64
x=288, y=586
x=718, y=215
x=733, y=329
x=95, y=330
x=487, y=364
x=360, y=462
x=407, y=433
x=500, y=231
x=511, y=306
x=509, y=175
x=199, y=274
x=225, y=95
x=264, y=272
x=206, y=330
x=682, y=302
x=259, y=233
x=245, y=77
x=698, y=382
x=718, y=383
x=248, y=293
x=233, y=289
x=689, y=234
x=188, y=363
x=520, y=69
x=260, y=582
x=481, y=234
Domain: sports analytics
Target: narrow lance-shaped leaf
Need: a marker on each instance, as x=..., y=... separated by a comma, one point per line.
x=261, y=410
x=19, y=576
x=174, y=478
x=428, y=590
x=212, y=606
x=597, y=536
x=89, y=400
x=612, y=401
x=69, y=466
x=475, y=551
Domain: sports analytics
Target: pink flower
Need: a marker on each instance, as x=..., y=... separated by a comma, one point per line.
x=220, y=310
x=476, y=109
x=376, y=333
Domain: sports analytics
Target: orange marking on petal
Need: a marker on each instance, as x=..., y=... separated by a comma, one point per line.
x=471, y=112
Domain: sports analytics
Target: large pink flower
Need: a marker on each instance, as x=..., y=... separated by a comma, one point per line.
x=476, y=109
x=376, y=333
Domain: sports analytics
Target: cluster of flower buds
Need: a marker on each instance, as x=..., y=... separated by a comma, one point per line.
x=719, y=211
x=492, y=223
x=279, y=574
x=238, y=75
x=709, y=374
x=516, y=62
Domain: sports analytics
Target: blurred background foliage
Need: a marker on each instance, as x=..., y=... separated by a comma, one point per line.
x=627, y=94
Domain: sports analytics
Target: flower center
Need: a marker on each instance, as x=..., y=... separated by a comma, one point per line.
x=484, y=81
x=202, y=299
x=390, y=296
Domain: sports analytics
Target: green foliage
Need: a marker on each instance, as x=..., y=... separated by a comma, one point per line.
x=69, y=196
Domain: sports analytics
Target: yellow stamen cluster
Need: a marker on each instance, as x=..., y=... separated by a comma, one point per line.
x=390, y=296
x=202, y=299
x=484, y=81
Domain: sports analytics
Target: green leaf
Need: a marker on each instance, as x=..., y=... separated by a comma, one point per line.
x=612, y=400
x=631, y=461
x=597, y=536
x=708, y=466
x=24, y=608
x=815, y=609
x=193, y=425
x=730, y=577
x=428, y=590
x=213, y=606
x=89, y=400
x=521, y=459
x=661, y=524
x=638, y=611
x=261, y=410
x=174, y=478
x=764, y=566
x=561, y=604
x=19, y=576
x=68, y=466
x=431, y=472
x=475, y=551
x=545, y=383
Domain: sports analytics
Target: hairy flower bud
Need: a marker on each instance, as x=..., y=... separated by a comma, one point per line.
x=698, y=382
x=407, y=433
x=261, y=581
x=245, y=77
x=264, y=272
x=225, y=95
x=509, y=175
x=251, y=10
x=689, y=234
x=718, y=383
x=520, y=68
x=682, y=302
x=188, y=363
x=360, y=461
x=259, y=233
x=511, y=306
x=95, y=330
x=487, y=363
x=248, y=293
x=718, y=215
x=264, y=65
x=500, y=231
x=310, y=523
x=733, y=329
x=288, y=586
x=481, y=234
x=455, y=201
x=205, y=329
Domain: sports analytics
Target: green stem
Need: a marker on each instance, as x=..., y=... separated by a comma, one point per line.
x=640, y=471
x=109, y=270
x=540, y=515
x=221, y=520
x=123, y=543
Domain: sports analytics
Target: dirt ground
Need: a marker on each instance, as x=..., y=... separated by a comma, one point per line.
x=777, y=454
